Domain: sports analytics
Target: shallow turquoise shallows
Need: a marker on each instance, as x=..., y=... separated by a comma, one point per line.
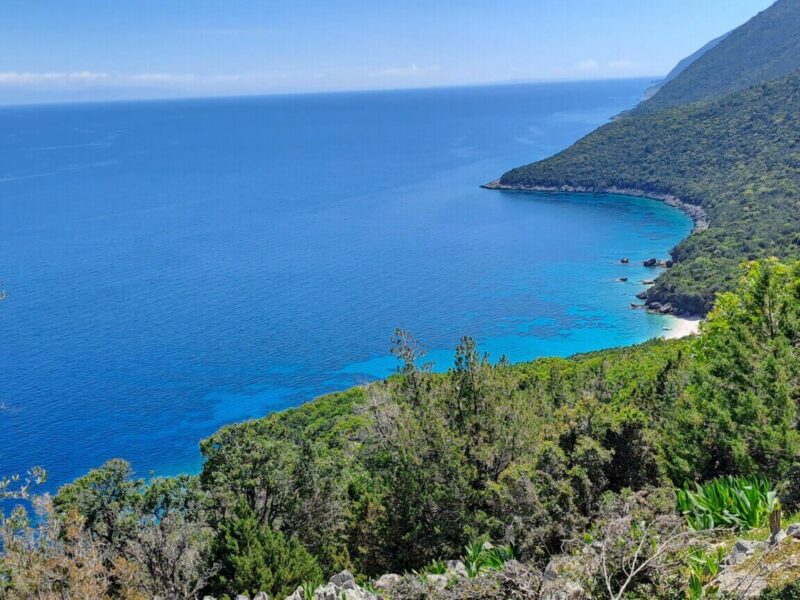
x=174, y=266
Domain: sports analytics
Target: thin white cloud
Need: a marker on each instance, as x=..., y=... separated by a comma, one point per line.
x=90, y=78
x=411, y=70
x=589, y=64
x=12, y=78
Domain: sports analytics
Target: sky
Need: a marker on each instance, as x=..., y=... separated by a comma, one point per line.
x=56, y=50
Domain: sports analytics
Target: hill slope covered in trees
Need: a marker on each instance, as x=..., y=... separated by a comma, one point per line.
x=736, y=157
x=766, y=47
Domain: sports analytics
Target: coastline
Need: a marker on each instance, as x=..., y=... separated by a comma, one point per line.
x=696, y=213
x=682, y=327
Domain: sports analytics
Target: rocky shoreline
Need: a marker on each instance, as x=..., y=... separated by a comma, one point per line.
x=696, y=213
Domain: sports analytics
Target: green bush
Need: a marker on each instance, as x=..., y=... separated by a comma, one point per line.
x=789, y=592
x=727, y=502
x=254, y=558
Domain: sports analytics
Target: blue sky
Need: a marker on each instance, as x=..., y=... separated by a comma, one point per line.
x=101, y=49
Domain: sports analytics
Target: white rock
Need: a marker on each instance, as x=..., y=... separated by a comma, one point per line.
x=388, y=580
x=456, y=568
x=298, y=594
x=776, y=539
x=437, y=581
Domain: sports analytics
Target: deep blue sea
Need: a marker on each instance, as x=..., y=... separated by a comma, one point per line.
x=175, y=266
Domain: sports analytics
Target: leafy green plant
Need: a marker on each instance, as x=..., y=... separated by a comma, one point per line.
x=481, y=557
x=435, y=567
x=728, y=502
x=308, y=590
x=703, y=567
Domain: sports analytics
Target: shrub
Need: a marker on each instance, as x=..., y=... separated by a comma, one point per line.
x=254, y=558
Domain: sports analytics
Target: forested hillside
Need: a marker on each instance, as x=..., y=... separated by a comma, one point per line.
x=737, y=158
x=766, y=47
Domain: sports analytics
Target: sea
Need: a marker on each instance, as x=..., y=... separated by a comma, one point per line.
x=174, y=266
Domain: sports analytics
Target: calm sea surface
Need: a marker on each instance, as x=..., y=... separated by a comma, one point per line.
x=174, y=266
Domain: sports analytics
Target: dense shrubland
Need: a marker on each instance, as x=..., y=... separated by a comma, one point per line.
x=578, y=455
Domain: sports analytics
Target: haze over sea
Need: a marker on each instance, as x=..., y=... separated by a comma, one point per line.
x=174, y=266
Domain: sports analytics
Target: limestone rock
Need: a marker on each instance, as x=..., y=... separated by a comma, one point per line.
x=740, y=551
x=777, y=538
x=387, y=581
x=793, y=530
x=437, y=581
x=341, y=586
x=298, y=594
x=456, y=568
x=562, y=589
x=344, y=580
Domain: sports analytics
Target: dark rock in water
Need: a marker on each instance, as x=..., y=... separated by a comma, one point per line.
x=642, y=295
x=625, y=260
x=657, y=307
x=622, y=279
x=654, y=262
x=648, y=282
x=634, y=305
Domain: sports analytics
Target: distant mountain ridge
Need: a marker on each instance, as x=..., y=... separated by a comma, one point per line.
x=683, y=64
x=722, y=136
x=764, y=48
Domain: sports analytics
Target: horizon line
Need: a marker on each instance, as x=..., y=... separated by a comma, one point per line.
x=232, y=96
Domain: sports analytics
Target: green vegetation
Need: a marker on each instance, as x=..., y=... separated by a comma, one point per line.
x=616, y=469
x=703, y=568
x=766, y=47
x=736, y=157
x=722, y=136
x=730, y=502
x=481, y=557
x=406, y=472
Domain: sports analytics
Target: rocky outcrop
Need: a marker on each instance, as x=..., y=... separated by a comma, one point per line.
x=752, y=567
x=341, y=586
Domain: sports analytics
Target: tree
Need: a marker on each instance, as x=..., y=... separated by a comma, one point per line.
x=252, y=558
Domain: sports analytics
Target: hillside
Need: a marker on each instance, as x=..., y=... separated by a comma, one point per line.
x=736, y=157
x=766, y=47
x=683, y=64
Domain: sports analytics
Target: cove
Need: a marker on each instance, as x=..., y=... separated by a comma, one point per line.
x=175, y=266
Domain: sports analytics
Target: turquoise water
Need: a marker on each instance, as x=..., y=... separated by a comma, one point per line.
x=174, y=266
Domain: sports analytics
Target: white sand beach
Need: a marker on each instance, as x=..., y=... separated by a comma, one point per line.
x=680, y=327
